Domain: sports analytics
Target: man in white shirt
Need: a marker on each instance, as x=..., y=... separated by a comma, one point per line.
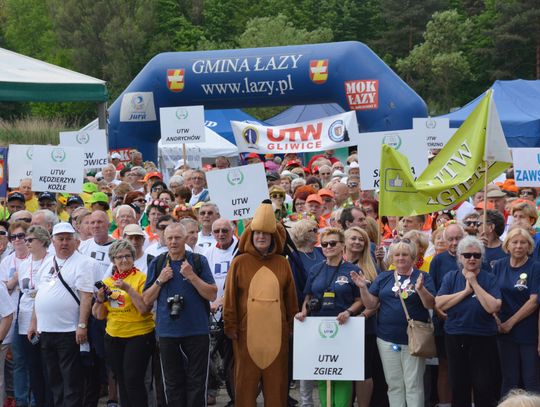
x=208, y=214
x=155, y=249
x=61, y=311
x=98, y=246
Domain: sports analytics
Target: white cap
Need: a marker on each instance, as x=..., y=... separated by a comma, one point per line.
x=338, y=173
x=63, y=227
x=116, y=155
x=354, y=164
x=179, y=164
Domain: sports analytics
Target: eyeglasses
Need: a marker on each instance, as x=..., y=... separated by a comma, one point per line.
x=352, y=184
x=3, y=233
x=203, y=213
x=477, y=256
x=526, y=193
x=160, y=188
x=29, y=239
x=124, y=257
x=331, y=243
x=223, y=230
x=277, y=196
x=17, y=236
x=140, y=200
x=472, y=223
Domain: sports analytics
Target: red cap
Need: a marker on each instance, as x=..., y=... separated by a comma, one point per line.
x=152, y=175
x=314, y=198
x=252, y=155
x=326, y=192
x=480, y=205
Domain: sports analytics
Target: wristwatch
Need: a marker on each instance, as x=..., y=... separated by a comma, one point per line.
x=81, y=325
x=158, y=283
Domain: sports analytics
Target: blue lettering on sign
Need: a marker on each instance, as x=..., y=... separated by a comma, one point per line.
x=527, y=175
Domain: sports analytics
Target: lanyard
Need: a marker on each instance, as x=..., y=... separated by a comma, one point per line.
x=329, y=283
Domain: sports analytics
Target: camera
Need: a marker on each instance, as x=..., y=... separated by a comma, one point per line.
x=176, y=304
x=314, y=305
x=100, y=284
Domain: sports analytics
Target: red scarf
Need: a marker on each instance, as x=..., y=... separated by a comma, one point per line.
x=122, y=275
x=419, y=263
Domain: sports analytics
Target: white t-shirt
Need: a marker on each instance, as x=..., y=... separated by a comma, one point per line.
x=8, y=267
x=28, y=281
x=56, y=309
x=219, y=261
x=155, y=249
x=6, y=306
x=98, y=252
x=204, y=242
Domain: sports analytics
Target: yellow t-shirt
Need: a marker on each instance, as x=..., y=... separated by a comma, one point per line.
x=123, y=319
x=32, y=205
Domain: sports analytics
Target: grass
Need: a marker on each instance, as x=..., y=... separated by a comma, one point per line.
x=33, y=131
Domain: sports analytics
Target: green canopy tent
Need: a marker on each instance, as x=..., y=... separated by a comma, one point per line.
x=25, y=79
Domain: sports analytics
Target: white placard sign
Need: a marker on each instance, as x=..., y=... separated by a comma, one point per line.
x=369, y=154
x=436, y=131
x=335, y=352
x=238, y=191
x=182, y=125
x=19, y=163
x=94, y=144
x=58, y=169
x=526, y=166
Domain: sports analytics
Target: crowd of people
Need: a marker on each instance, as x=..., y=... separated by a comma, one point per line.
x=138, y=290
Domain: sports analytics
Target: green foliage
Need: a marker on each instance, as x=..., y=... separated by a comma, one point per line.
x=438, y=68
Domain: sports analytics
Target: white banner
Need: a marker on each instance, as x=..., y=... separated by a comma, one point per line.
x=238, y=191
x=436, y=131
x=182, y=125
x=19, y=163
x=369, y=156
x=58, y=169
x=335, y=352
x=94, y=144
x=137, y=107
x=526, y=166
x=327, y=133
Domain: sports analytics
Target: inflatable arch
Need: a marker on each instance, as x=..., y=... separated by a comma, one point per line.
x=346, y=73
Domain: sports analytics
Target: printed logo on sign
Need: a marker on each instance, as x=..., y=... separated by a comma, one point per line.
x=29, y=152
x=328, y=329
x=362, y=94
x=251, y=136
x=318, y=71
x=431, y=124
x=82, y=138
x=137, y=107
x=395, y=181
x=235, y=177
x=338, y=132
x=58, y=155
x=175, y=80
x=181, y=114
x=392, y=140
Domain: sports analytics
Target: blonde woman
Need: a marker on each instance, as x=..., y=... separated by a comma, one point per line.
x=357, y=252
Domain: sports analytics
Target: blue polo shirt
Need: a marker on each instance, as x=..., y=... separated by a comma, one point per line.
x=337, y=279
x=468, y=317
x=193, y=319
x=391, y=319
x=301, y=264
x=514, y=297
x=493, y=254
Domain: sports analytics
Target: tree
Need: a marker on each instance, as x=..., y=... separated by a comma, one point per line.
x=438, y=68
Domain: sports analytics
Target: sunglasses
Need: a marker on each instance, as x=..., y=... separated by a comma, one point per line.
x=331, y=243
x=17, y=236
x=526, y=193
x=27, y=220
x=223, y=230
x=314, y=230
x=209, y=213
x=154, y=189
x=3, y=233
x=477, y=256
x=472, y=223
x=352, y=185
x=140, y=200
x=277, y=196
x=29, y=239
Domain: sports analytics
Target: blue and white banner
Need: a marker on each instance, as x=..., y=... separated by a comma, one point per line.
x=526, y=166
x=327, y=133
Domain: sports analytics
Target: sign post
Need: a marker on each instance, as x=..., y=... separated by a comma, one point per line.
x=237, y=191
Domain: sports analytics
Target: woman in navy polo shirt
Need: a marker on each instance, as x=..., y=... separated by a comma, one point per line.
x=404, y=373
x=330, y=283
x=470, y=297
x=518, y=279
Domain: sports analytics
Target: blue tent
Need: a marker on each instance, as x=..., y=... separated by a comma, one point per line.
x=220, y=121
x=304, y=113
x=518, y=104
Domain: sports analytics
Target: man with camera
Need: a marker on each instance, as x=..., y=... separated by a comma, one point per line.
x=182, y=284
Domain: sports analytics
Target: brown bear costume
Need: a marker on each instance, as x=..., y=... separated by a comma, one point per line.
x=259, y=307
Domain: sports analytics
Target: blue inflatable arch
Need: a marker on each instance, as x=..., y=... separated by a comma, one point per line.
x=346, y=73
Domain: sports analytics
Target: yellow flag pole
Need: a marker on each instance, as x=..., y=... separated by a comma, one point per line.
x=484, y=214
